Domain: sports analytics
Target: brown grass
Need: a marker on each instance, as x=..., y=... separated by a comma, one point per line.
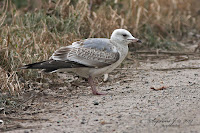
x=31, y=34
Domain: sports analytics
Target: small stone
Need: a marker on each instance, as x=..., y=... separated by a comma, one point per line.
x=99, y=115
x=108, y=89
x=1, y=123
x=119, y=116
x=96, y=103
x=2, y=111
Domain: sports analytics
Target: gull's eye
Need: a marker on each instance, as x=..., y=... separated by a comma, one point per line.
x=124, y=35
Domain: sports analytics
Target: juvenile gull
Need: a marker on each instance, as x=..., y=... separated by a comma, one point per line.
x=89, y=58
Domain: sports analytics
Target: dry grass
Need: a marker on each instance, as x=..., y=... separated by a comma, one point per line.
x=31, y=34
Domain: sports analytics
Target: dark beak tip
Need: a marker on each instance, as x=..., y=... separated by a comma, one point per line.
x=139, y=41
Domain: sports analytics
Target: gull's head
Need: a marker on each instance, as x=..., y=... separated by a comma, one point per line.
x=123, y=36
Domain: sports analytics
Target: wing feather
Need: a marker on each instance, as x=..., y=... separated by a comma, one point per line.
x=89, y=56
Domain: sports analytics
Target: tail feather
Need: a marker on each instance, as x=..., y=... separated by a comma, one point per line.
x=52, y=65
x=37, y=65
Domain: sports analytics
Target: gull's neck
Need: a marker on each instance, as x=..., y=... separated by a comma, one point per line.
x=122, y=48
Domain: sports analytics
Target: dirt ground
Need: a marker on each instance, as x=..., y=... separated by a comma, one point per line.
x=158, y=95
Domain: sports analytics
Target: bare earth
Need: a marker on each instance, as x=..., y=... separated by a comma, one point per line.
x=132, y=104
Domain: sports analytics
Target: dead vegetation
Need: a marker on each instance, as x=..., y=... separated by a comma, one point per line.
x=31, y=32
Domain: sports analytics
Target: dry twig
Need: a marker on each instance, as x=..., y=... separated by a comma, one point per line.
x=157, y=89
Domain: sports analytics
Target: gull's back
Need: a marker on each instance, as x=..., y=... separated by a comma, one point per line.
x=102, y=44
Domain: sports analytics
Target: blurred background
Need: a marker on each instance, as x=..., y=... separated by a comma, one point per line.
x=30, y=30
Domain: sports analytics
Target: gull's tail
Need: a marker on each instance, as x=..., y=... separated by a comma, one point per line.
x=52, y=65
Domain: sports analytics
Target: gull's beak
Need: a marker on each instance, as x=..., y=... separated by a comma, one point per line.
x=139, y=41
x=133, y=39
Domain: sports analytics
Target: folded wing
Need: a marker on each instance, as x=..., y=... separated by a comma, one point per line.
x=90, y=52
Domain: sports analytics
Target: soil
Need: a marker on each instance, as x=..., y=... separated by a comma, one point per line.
x=158, y=95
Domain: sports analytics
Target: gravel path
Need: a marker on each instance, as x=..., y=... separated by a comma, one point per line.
x=131, y=104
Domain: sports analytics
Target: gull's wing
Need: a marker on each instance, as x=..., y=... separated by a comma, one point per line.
x=96, y=52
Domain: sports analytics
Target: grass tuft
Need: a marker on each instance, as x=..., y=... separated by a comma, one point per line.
x=32, y=30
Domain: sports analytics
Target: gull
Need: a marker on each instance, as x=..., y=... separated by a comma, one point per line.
x=89, y=58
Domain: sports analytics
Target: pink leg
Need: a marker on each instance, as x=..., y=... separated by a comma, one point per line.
x=93, y=86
